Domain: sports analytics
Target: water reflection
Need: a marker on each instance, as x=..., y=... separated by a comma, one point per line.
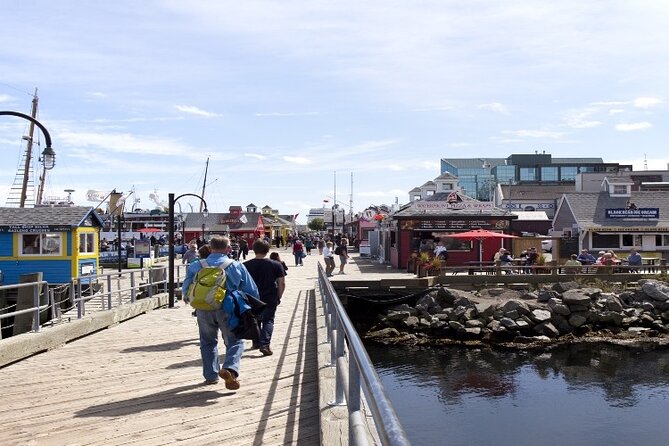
x=582, y=385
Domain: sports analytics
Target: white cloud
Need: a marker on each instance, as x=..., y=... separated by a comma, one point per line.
x=436, y=165
x=534, y=134
x=255, y=155
x=495, y=107
x=97, y=94
x=286, y=114
x=191, y=109
x=616, y=111
x=631, y=127
x=297, y=160
x=646, y=102
x=5, y=98
x=457, y=145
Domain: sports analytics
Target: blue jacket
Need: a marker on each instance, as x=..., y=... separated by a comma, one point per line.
x=238, y=281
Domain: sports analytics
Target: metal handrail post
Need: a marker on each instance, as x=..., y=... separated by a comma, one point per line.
x=133, y=291
x=81, y=308
x=52, y=303
x=36, y=293
x=109, y=290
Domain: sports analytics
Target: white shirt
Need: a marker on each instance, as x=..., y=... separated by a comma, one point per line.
x=327, y=252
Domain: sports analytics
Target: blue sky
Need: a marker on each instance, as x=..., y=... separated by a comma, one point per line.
x=280, y=94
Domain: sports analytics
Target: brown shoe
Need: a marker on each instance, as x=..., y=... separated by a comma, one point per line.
x=231, y=382
x=266, y=351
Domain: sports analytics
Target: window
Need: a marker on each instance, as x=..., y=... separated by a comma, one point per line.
x=429, y=193
x=40, y=244
x=661, y=240
x=416, y=197
x=549, y=174
x=446, y=186
x=619, y=189
x=87, y=242
x=568, y=173
x=631, y=240
x=528, y=174
x=605, y=241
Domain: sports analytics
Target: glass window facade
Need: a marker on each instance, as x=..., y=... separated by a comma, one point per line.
x=528, y=174
x=568, y=173
x=505, y=174
x=549, y=174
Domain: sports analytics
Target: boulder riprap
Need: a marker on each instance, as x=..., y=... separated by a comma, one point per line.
x=564, y=312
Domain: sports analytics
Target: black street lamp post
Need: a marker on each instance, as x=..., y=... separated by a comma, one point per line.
x=170, y=279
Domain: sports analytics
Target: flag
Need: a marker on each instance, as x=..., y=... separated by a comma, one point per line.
x=96, y=195
x=243, y=219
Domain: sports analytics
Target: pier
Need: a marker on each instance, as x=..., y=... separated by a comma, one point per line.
x=140, y=382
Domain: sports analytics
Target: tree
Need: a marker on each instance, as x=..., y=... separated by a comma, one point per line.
x=317, y=224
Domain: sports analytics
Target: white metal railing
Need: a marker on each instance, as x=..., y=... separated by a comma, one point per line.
x=89, y=294
x=355, y=373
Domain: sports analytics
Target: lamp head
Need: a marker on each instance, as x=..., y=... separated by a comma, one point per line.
x=205, y=213
x=48, y=158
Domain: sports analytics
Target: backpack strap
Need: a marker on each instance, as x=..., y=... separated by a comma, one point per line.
x=203, y=263
x=227, y=262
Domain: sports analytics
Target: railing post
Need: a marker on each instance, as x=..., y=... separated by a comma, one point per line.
x=109, y=288
x=52, y=304
x=36, y=292
x=81, y=310
x=133, y=292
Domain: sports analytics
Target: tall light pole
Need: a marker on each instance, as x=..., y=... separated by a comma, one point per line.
x=170, y=268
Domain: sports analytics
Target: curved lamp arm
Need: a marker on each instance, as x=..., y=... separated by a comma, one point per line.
x=48, y=155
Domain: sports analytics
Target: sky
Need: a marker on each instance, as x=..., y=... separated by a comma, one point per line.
x=288, y=98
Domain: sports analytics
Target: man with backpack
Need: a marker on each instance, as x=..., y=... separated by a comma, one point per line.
x=236, y=281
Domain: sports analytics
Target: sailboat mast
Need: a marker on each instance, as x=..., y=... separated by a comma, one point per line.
x=204, y=185
x=29, y=149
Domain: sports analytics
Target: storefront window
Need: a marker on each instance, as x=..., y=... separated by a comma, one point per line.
x=549, y=174
x=568, y=173
x=605, y=241
x=40, y=244
x=631, y=240
x=661, y=240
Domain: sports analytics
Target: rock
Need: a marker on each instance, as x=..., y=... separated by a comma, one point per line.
x=383, y=333
x=558, y=307
x=473, y=331
x=576, y=320
x=509, y=324
x=612, y=303
x=411, y=322
x=656, y=290
x=474, y=323
x=540, y=315
x=547, y=329
x=454, y=325
x=611, y=317
x=462, y=302
x=517, y=305
x=638, y=329
x=513, y=314
x=575, y=297
x=522, y=325
x=545, y=295
x=470, y=313
x=397, y=315
x=561, y=287
x=427, y=301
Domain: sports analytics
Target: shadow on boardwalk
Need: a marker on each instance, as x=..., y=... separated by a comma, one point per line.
x=140, y=382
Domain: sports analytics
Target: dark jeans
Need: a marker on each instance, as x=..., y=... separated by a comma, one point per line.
x=329, y=265
x=266, y=321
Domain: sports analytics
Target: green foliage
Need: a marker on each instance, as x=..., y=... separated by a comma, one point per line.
x=317, y=224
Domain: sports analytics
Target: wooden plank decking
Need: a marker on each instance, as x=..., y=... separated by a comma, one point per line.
x=140, y=383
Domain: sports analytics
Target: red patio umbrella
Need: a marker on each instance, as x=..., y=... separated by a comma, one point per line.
x=150, y=230
x=480, y=235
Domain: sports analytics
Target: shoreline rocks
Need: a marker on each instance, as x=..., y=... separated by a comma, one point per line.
x=565, y=312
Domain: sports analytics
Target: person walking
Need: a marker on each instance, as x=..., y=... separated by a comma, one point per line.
x=298, y=252
x=343, y=254
x=328, y=257
x=269, y=276
x=223, y=319
x=190, y=254
x=243, y=248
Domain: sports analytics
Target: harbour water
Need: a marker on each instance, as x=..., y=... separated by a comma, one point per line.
x=575, y=395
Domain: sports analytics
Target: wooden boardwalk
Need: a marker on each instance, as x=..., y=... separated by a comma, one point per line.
x=140, y=383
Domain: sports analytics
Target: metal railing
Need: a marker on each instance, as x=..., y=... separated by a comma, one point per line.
x=355, y=372
x=89, y=294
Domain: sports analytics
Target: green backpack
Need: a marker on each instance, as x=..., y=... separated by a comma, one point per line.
x=207, y=290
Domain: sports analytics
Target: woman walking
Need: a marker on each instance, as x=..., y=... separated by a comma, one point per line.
x=298, y=252
x=328, y=256
x=343, y=254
